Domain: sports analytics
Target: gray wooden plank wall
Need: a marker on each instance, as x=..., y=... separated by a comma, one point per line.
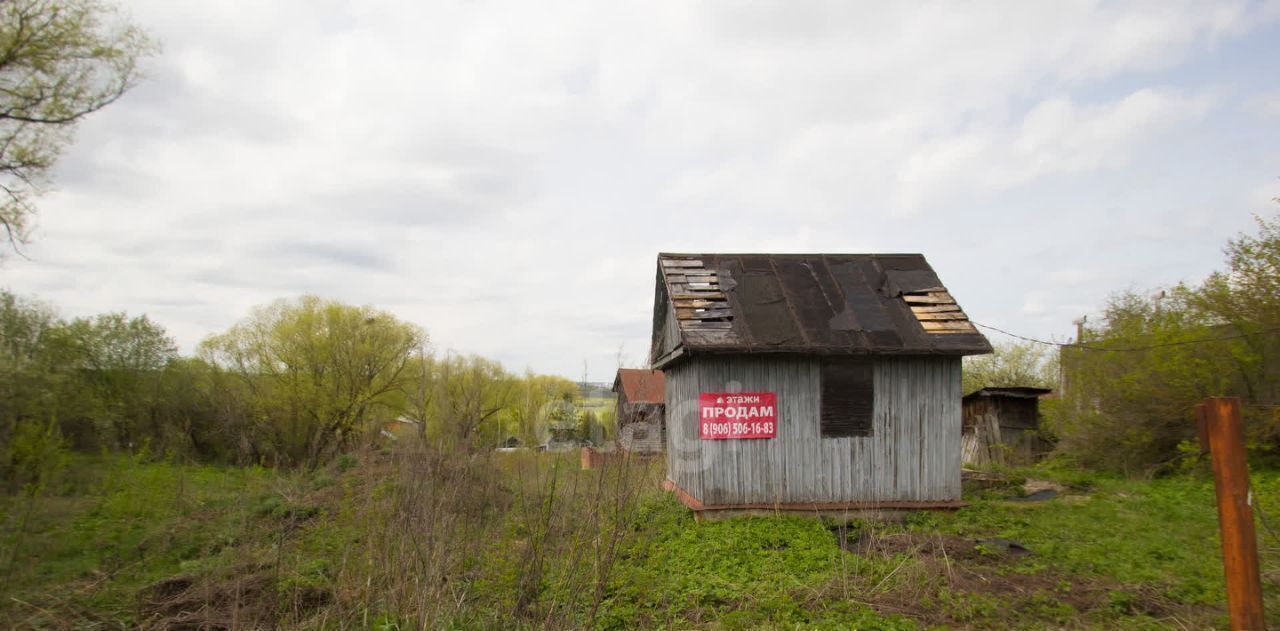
x=913, y=453
x=668, y=338
x=670, y=331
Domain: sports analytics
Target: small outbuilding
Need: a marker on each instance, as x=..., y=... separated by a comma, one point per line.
x=1002, y=426
x=826, y=382
x=639, y=410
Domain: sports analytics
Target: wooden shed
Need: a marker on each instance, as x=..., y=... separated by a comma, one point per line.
x=1002, y=426
x=810, y=381
x=639, y=410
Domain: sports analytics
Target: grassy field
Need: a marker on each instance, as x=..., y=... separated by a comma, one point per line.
x=386, y=541
x=597, y=404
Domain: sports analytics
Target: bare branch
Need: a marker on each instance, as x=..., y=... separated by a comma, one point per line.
x=59, y=62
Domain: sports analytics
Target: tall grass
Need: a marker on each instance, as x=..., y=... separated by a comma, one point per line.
x=429, y=536
x=426, y=537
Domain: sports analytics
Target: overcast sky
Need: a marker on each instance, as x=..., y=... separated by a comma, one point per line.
x=504, y=174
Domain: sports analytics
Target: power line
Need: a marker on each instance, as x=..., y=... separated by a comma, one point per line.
x=1130, y=349
x=1021, y=337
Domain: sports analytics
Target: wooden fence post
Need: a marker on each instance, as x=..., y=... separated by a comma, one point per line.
x=1235, y=514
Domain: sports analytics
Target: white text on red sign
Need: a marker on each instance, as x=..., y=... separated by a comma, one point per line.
x=726, y=415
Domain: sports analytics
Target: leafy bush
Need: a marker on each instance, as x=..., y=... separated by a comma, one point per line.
x=1130, y=394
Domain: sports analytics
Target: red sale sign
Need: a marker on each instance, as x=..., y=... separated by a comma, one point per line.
x=738, y=415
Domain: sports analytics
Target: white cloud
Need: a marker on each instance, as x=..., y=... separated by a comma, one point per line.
x=504, y=172
x=1035, y=303
x=1074, y=276
x=1266, y=105
x=1056, y=136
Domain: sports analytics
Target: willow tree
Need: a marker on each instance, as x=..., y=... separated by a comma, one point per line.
x=60, y=60
x=317, y=372
x=532, y=402
x=473, y=391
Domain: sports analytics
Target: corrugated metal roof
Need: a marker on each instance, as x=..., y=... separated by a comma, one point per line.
x=641, y=386
x=812, y=303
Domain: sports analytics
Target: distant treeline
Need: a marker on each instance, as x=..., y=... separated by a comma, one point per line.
x=1128, y=387
x=299, y=381
x=292, y=384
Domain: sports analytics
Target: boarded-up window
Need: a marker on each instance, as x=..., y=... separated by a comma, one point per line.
x=848, y=392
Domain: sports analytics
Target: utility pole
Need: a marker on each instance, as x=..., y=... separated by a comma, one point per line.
x=1065, y=353
x=1221, y=418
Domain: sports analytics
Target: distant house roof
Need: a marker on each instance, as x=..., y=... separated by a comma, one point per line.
x=835, y=304
x=640, y=386
x=1013, y=392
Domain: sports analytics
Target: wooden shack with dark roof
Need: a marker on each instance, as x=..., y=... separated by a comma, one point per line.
x=810, y=381
x=1001, y=425
x=639, y=410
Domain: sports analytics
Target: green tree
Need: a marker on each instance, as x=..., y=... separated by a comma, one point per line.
x=1245, y=300
x=24, y=379
x=185, y=419
x=533, y=401
x=1012, y=364
x=1127, y=409
x=469, y=401
x=60, y=60
x=589, y=426
x=421, y=388
x=316, y=372
x=1133, y=386
x=474, y=391
x=119, y=363
x=22, y=324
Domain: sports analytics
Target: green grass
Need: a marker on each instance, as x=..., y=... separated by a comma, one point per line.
x=1147, y=552
x=1159, y=533
x=1108, y=553
x=597, y=403
x=734, y=574
x=91, y=548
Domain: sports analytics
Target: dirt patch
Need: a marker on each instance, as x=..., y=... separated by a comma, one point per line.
x=960, y=583
x=1031, y=487
x=246, y=597
x=912, y=543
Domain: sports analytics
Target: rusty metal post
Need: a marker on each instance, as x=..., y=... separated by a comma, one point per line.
x=1235, y=514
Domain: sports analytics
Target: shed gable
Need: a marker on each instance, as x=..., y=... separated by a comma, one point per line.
x=639, y=386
